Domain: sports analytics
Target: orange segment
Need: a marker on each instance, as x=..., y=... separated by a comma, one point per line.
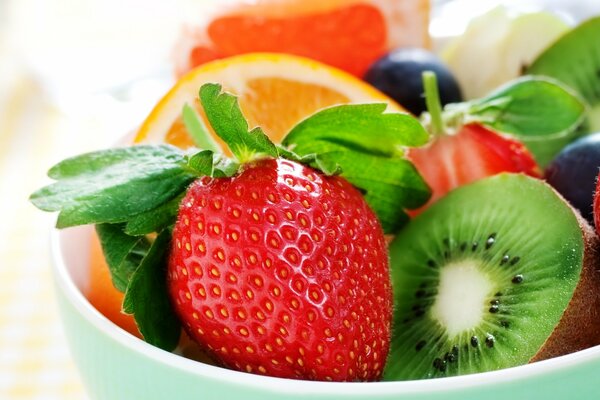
x=275, y=92
x=103, y=295
x=274, y=117
x=178, y=135
x=277, y=117
x=108, y=300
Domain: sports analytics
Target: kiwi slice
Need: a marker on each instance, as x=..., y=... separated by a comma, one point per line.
x=574, y=59
x=497, y=274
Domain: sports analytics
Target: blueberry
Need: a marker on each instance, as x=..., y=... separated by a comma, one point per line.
x=399, y=75
x=573, y=173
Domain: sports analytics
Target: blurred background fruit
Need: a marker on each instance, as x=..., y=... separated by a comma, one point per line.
x=574, y=59
x=399, y=75
x=573, y=173
x=348, y=34
x=468, y=155
x=102, y=294
x=497, y=46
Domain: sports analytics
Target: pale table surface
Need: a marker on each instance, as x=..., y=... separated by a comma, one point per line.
x=34, y=358
x=38, y=127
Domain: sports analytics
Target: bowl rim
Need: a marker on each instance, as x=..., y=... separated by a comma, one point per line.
x=493, y=378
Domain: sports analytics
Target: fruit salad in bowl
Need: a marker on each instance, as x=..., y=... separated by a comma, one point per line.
x=279, y=227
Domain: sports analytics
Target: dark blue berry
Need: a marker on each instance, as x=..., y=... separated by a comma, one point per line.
x=573, y=173
x=399, y=75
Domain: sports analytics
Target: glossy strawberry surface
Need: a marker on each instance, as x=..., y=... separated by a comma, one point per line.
x=282, y=271
x=473, y=153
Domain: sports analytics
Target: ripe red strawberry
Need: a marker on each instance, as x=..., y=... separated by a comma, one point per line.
x=283, y=271
x=473, y=153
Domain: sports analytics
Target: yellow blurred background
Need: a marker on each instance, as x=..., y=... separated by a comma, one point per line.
x=75, y=75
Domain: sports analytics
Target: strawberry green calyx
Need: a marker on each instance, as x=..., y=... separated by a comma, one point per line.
x=225, y=116
x=532, y=108
x=361, y=142
x=366, y=146
x=134, y=194
x=146, y=297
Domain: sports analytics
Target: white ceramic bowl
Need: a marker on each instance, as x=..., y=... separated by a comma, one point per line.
x=116, y=365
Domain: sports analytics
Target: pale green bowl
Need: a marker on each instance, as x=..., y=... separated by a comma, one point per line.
x=115, y=365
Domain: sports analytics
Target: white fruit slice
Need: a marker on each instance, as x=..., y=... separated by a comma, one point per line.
x=496, y=46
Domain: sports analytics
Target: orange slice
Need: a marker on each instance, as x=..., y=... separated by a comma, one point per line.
x=103, y=295
x=347, y=34
x=275, y=92
x=108, y=300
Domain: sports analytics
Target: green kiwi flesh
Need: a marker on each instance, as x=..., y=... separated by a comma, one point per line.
x=496, y=274
x=573, y=59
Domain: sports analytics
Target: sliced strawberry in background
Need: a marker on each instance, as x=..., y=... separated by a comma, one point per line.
x=462, y=154
x=473, y=153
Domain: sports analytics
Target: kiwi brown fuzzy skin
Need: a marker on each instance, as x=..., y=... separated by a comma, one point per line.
x=579, y=326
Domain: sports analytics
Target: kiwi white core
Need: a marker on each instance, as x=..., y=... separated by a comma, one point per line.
x=462, y=293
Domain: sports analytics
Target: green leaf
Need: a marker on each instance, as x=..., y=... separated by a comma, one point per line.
x=365, y=145
x=329, y=167
x=123, y=253
x=147, y=298
x=390, y=185
x=207, y=163
x=202, y=162
x=155, y=220
x=226, y=118
x=114, y=185
x=529, y=107
x=198, y=131
x=290, y=155
x=363, y=128
x=224, y=167
x=573, y=59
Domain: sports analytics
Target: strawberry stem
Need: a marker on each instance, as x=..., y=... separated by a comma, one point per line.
x=432, y=100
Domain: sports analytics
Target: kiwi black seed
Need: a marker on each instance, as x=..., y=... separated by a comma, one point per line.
x=573, y=59
x=515, y=280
